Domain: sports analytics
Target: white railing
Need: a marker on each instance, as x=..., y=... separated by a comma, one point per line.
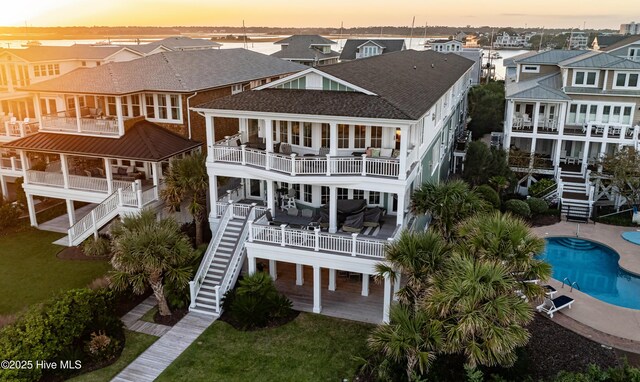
x=14, y=164
x=20, y=128
x=62, y=122
x=228, y=139
x=316, y=165
x=149, y=196
x=196, y=283
x=88, y=183
x=45, y=178
x=317, y=241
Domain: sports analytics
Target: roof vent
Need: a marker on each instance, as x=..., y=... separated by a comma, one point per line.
x=415, y=67
x=433, y=65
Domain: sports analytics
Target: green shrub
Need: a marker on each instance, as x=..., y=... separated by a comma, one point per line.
x=541, y=187
x=489, y=194
x=537, y=206
x=255, y=302
x=596, y=374
x=9, y=214
x=99, y=247
x=518, y=207
x=57, y=328
x=101, y=347
x=21, y=197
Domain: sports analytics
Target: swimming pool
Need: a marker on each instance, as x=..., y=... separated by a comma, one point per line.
x=595, y=268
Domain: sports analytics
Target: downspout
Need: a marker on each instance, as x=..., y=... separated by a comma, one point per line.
x=189, y=112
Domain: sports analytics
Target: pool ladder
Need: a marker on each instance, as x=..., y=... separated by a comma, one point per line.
x=571, y=284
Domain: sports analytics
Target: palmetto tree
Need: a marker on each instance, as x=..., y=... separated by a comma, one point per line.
x=417, y=255
x=187, y=181
x=508, y=239
x=480, y=315
x=150, y=252
x=448, y=202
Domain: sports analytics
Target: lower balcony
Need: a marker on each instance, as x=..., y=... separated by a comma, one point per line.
x=77, y=182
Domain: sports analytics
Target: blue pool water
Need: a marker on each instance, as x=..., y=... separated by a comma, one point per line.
x=595, y=268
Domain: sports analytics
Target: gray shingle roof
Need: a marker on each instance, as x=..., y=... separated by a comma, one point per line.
x=180, y=71
x=596, y=59
x=308, y=39
x=181, y=42
x=143, y=141
x=298, y=47
x=607, y=40
x=57, y=53
x=410, y=80
x=407, y=84
x=309, y=102
x=511, y=61
x=547, y=87
x=626, y=41
x=351, y=46
x=549, y=57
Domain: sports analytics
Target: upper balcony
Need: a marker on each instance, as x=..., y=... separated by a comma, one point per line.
x=12, y=129
x=89, y=121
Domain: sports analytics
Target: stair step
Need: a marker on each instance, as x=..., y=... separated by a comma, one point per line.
x=208, y=312
x=207, y=294
x=206, y=300
x=208, y=287
x=206, y=306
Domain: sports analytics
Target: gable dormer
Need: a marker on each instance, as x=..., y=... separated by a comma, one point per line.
x=314, y=79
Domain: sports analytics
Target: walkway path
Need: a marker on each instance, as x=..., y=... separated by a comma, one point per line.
x=150, y=364
x=132, y=320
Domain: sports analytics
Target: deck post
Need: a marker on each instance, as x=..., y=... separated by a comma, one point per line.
x=251, y=260
x=299, y=274
x=93, y=224
x=282, y=233
x=273, y=271
x=120, y=197
x=244, y=154
x=333, y=209
x=32, y=211
x=365, y=284
x=250, y=222
x=387, y=299
x=316, y=232
x=328, y=165
x=317, y=289
x=71, y=212
x=293, y=164
x=192, y=293
x=332, y=280
x=354, y=238
x=364, y=164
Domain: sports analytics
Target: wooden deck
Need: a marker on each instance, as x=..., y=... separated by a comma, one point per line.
x=345, y=302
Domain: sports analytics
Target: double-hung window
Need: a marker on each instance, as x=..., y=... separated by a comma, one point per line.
x=343, y=136
x=585, y=78
x=626, y=80
x=307, y=134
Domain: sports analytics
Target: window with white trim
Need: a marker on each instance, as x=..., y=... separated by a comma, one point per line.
x=325, y=193
x=343, y=136
x=307, y=196
x=358, y=194
x=626, y=80
x=284, y=132
x=634, y=54
x=374, y=197
x=326, y=135
x=111, y=106
x=343, y=193
x=376, y=136
x=295, y=133
x=150, y=105
x=135, y=104
x=360, y=137
x=585, y=78
x=163, y=113
x=237, y=88
x=369, y=50
x=531, y=69
x=307, y=131
x=174, y=104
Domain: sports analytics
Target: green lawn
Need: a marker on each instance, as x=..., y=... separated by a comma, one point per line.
x=135, y=344
x=148, y=317
x=30, y=272
x=310, y=348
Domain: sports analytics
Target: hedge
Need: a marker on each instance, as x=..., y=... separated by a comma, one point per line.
x=518, y=207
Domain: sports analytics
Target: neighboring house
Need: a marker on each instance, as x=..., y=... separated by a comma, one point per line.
x=334, y=153
x=475, y=55
x=567, y=109
x=159, y=88
x=446, y=46
x=628, y=47
x=177, y=43
x=360, y=48
x=505, y=40
x=309, y=50
x=578, y=40
x=632, y=28
x=471, y=41
x=604, y=41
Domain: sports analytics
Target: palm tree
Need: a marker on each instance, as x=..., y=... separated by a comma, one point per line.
x=411, y=339
x=417, y=255
x=501, y=183
x=148, y=252
x=187, y=181
x=448, y=203
x=481, y=317
x=506, y=238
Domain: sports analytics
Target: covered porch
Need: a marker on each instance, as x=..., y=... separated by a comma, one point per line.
x=536, y=117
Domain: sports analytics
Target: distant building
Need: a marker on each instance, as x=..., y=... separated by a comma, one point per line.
x=354, y=49
x=505, y=40
x=603, y=41
x=578, y=40
x=631, y=28
x=310, y=50
x=471, y=41
x=444, y=46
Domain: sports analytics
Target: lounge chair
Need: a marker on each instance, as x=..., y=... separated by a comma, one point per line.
x=354, y=223
x=550, y=306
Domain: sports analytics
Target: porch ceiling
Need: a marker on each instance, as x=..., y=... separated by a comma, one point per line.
x=145, y=141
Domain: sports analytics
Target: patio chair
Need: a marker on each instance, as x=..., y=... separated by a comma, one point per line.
x=551, y=306
x=285, y=148
x=323, y=151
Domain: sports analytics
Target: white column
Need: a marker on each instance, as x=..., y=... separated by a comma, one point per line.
x=556, y=154
x=365, y=284
x=299, y=274
x=386, y=299
x=120, y=116
x=38, y=111
x=268, y=132
x=510, y=110
x=273, y=271
x=32, y=210
x=270, y=197
x=404, y=144
x=252, y=264
x=243, y=127
x=536, y=113
x=562, y=118
x=333, y=209
x=76, y=101
x=108, y=174
x=396, y=286
x=317, y=289
x=401, y=207
x=333, y=139
x=24, y=162
x=65, y=169
x=209, y=130
x=332, y=279
x=3, y=187
x=71, y=212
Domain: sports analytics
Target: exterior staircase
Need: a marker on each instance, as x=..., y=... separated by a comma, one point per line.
x=575, y=196
x=222, y=261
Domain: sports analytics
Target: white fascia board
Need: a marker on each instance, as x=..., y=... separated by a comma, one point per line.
x=370, y=41
x=318, y=72
x=123, y=49
x=305, y=117
x=62, y=193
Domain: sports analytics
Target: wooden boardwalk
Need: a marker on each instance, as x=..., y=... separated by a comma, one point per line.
x=150, y=364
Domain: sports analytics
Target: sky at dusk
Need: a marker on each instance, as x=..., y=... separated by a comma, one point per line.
x=326, y=13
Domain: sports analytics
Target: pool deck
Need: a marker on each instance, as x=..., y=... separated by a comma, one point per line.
x=622, y=324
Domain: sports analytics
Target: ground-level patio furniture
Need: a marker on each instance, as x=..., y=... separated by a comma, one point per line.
x=551, y=306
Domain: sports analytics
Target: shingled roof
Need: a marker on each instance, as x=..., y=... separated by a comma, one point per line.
x=58, y=53
x=626, y=41
x=406, y=85
x=180, y=71
x=143, y=141
x=388, y=45
x=299, y=47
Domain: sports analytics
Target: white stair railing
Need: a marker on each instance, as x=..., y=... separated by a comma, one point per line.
x=196, y=283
